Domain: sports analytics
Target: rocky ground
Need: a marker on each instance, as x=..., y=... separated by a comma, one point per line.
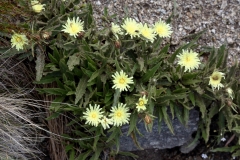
x=219, y=17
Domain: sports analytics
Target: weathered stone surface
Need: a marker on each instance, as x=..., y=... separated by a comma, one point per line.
x=154, y=140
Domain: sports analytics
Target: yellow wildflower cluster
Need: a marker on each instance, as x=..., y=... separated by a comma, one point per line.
x=119, y=116
x=135, y=29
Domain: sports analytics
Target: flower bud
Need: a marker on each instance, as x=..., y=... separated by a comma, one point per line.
x=144, y=93
x=117, y=44
x=46, y=35
x=80, y=35
x=147, y=119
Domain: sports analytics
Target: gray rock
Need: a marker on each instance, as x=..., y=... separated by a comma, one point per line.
x=154, y=140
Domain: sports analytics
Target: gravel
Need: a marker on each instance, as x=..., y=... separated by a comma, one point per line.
x=219, y=17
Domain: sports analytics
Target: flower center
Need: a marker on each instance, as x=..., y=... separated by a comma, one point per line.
x=74, y=28
x=187, y=59
x=94, y=115
x=215, y=78
x=119, y=114
x=131, y=29
x=141, y=103
x=160, y=30
x=122, y=81
x=19, y=39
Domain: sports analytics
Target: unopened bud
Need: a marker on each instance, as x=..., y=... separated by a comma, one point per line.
x=144, y=93
x=229, y=103
x=80, y=35
x=147, y=119
x=46, y=35
x=117, y=44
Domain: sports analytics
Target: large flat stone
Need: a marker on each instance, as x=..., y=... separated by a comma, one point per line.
x=154, y=140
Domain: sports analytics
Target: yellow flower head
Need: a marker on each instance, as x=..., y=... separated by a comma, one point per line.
x=18, y=41
x=93, y=115
x=147, y=32
x=37, y=6
x=116, y=30
x=162, y=29
x=73, y=27
x=131, y=27
x=106, y=122
x=141, y=103
x=121, y=81
x=119, y=115
x=215, y=80
x=230, y=92
x=189, y=60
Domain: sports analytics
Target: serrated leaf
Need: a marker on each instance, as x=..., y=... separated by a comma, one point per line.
x=167, y=119
x=54, y=91
x=81, y=89
x=150, y=73
x=140, y=61
x=191, y=97
x=63, y=66
x=40, y=62
x=97, y=73
x=73, y=61
x=133, y=122
x=200, y=103
x=134, y=138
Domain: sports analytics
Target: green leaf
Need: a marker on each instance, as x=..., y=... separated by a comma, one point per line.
x=73, y=61
x=97, y=73
x=84, y=155
x=191, y=97
x=53, y=59
x=200, y=103
x=226, y=149
x=167, y=119
x=53, y=91
x=81, y=89
x=140, y=61
x=53, y=116
x=191, y=81
x=222, y=56
x=133, y=122
x=150, y=73
x=115, y=134
x=87, y=72
x=40, y=62
x=168, y=97
x=63, y=66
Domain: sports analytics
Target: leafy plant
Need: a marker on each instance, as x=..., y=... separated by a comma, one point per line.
x=88, y=69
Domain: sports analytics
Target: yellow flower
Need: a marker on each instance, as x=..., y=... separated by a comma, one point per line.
x=73, y=27
x=106, y=122
x=116, y=30
x=141, y=103
x=131, y=27
x=37, y=6
x=93, y=115
x=162, y=29
x=19, y=40
x=147, y=32
x=189, y=60
x=121, y=81
x=215, y=80
x=119, y=115
x=230, y=92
